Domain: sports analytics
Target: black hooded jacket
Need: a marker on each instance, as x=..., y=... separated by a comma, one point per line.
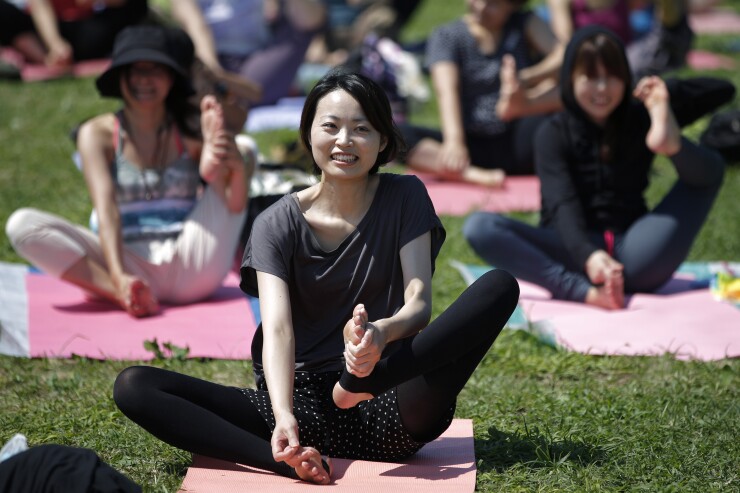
x=582, y=193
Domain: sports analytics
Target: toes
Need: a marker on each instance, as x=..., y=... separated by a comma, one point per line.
x=207, y=102
x=142, y=301
x=313, y=467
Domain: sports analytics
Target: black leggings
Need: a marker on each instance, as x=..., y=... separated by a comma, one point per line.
x=429, y=371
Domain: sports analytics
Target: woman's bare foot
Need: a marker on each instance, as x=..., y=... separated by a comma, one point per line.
x=354, y=329
x=212, y=127
x=664, y=136
x=493, y=178
x=512, y=96
x=140, y=301
x=610, y=295
x=614, y=285
x=309, y=467
x=344, y=399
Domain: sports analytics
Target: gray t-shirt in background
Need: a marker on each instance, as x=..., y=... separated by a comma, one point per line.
x=479, y=73
x=326, y=286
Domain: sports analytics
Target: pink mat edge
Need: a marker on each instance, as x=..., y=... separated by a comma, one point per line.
x=521, y=195
x=40, y=73
x=76, y=343
x=459, y=428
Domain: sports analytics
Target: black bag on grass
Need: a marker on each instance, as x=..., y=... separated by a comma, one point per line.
x=723, y=135
x=58, y=468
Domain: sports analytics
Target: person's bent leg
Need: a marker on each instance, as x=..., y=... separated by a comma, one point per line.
x=71, y=252
x=198, y=416
x=17, y=30
x=656, y=244
x=425, y=401
x=275, y=67
x=204, y=250
x=453, y=340
x=423, y=147
x=50, y=242
x=529, y=253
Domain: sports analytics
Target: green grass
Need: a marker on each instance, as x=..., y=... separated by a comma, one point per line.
x=545, y=420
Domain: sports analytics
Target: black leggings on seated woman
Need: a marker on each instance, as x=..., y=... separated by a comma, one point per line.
x=427, y=372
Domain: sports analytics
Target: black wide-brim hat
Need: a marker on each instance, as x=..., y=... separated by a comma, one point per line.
x=171, y=47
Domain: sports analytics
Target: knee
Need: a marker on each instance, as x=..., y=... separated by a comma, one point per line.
x=21, y=225
x=128, y=388
x=502, y=289
x=481, y=229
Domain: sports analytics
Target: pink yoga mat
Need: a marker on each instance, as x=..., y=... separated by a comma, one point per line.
x=678, y=319
x=62, y=323
x=687, y=323
x=706, y=60
x=87, y=68
x=717, y=21
x=520, y=193
x=446, y=465
x=35, y=72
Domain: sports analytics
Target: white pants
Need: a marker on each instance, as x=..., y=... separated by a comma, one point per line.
x=181, y=270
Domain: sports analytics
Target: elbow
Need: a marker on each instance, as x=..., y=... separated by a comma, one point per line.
x=425, y=316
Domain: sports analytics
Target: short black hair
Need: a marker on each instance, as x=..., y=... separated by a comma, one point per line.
x=374, y=103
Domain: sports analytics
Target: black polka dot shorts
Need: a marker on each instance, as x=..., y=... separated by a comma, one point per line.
x=372, y=430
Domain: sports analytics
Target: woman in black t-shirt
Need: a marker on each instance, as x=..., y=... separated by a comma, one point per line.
x=343, y=271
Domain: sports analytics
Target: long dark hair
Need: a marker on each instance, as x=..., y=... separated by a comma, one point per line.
x=607, y=50
x=373, y=101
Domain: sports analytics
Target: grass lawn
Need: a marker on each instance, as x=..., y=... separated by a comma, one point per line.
x=545, y=420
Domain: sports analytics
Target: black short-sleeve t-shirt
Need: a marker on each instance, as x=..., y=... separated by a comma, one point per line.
x=326, y=286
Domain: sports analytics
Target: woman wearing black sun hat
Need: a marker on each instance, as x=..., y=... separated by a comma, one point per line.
x=158, y=233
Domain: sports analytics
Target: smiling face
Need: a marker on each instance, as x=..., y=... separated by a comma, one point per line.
x=599, y=93
x=343, y=142
x=146, y=82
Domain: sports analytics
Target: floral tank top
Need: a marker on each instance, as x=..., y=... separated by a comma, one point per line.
x=153, y=203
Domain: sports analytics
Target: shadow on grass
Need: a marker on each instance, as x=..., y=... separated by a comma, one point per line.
x=502, y=450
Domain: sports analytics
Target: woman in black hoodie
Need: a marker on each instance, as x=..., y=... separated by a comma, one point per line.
x=597, y=239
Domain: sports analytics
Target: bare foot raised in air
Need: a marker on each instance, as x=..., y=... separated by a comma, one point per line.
x=222, y=166
x=664, y=136
x=309, y=467
x=354, y=335
x=512, y=96
x=214, y=133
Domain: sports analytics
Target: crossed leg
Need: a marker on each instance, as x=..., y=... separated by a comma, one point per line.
x=229, y=427
x=431, y=368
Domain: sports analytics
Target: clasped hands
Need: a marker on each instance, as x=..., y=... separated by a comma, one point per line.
x=600, y=266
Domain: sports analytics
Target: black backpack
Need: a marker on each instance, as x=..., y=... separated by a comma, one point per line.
x=723, y=135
